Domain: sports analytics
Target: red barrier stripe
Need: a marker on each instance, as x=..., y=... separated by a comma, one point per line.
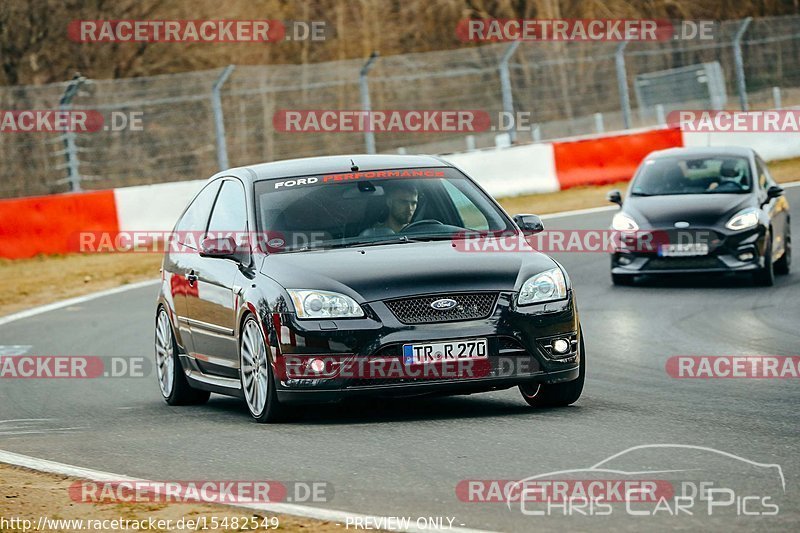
x=609, y=159
x=50, y=224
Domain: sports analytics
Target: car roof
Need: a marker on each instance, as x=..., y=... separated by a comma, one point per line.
x=699, y=151
x=334, y=164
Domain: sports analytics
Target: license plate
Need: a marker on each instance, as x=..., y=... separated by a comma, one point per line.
x=683, y=250
x=434, y=352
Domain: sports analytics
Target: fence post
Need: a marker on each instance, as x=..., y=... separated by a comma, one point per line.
x=776, y=97
x=219, y=120
x=739, y=62
x=366, y=105
x=622, y=83
x=70, y=148
x=599, y=126
x=470, y=143
x=505, y=88
x=661, y=116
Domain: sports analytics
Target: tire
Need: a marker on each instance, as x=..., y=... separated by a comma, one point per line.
x=256, y=377
x=622, y=279
x=174, y=386
x=765, y=277
x=556, y=394
x=783, y=264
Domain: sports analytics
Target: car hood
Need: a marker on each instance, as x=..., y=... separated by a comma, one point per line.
x=396, y=270
x=702, y=210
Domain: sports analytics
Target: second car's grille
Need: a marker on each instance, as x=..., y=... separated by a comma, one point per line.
x=418, y=310
x=681, y=263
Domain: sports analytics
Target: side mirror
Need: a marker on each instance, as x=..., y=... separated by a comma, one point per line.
x=529, y=224
x=774, y=191
x=222, y=248
x=615, y=197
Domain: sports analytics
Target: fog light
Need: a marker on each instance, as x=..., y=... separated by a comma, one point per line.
x=317, y=365
x=560, y=346
x=746, y=256
x=624, y=260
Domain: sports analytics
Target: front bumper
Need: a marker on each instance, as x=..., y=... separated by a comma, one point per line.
x=728, y=251
x=519, y=343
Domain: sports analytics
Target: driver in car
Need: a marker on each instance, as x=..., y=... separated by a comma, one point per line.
x=401, y=199
x=732, y=176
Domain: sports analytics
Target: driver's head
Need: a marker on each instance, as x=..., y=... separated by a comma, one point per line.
x=401, y=199
x=730, y=169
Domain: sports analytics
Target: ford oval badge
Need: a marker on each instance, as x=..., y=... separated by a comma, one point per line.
x=444, y=304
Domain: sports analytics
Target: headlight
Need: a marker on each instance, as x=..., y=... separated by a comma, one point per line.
x=623, y=222
x=544, y=287
x=324, y=304
x=746, y=218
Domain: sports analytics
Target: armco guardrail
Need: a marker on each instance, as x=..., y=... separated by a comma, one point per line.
x=51, y=224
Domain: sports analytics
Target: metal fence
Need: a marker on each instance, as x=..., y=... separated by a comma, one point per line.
x=196, y=123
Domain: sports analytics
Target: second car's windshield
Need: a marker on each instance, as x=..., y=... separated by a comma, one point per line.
x=681, y=175
x=392, y=206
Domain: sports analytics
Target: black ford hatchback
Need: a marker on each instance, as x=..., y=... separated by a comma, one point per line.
x=710, y=209
x=315, y=279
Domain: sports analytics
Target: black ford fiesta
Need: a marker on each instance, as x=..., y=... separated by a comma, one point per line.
x=316, y=279
x=711, y=210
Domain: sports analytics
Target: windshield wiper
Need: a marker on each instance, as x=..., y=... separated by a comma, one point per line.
x=400, y=239
x=334, y=245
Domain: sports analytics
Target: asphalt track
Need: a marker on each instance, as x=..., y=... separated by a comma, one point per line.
x=405, y=458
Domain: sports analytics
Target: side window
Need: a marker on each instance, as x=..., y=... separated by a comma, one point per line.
x=196, y=216
x=767, y=176
x=230, y=210
x=763, y=177
x=470, y=214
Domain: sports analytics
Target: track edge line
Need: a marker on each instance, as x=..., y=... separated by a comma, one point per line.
x=302, y=511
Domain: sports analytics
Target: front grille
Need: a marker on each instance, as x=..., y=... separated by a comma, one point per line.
x=682, y=263
x=418, y=310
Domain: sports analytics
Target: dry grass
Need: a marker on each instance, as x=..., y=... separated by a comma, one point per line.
x=30, y=495
x=26, y=283
x=786, y=170
x=574, y=198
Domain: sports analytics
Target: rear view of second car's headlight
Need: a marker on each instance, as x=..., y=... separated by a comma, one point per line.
x=324, y=304
x=546, y=286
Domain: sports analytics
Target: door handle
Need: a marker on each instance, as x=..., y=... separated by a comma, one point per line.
x=191, y=277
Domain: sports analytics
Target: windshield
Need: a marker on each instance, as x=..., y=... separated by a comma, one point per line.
x=682, y=175
x=370, y=208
